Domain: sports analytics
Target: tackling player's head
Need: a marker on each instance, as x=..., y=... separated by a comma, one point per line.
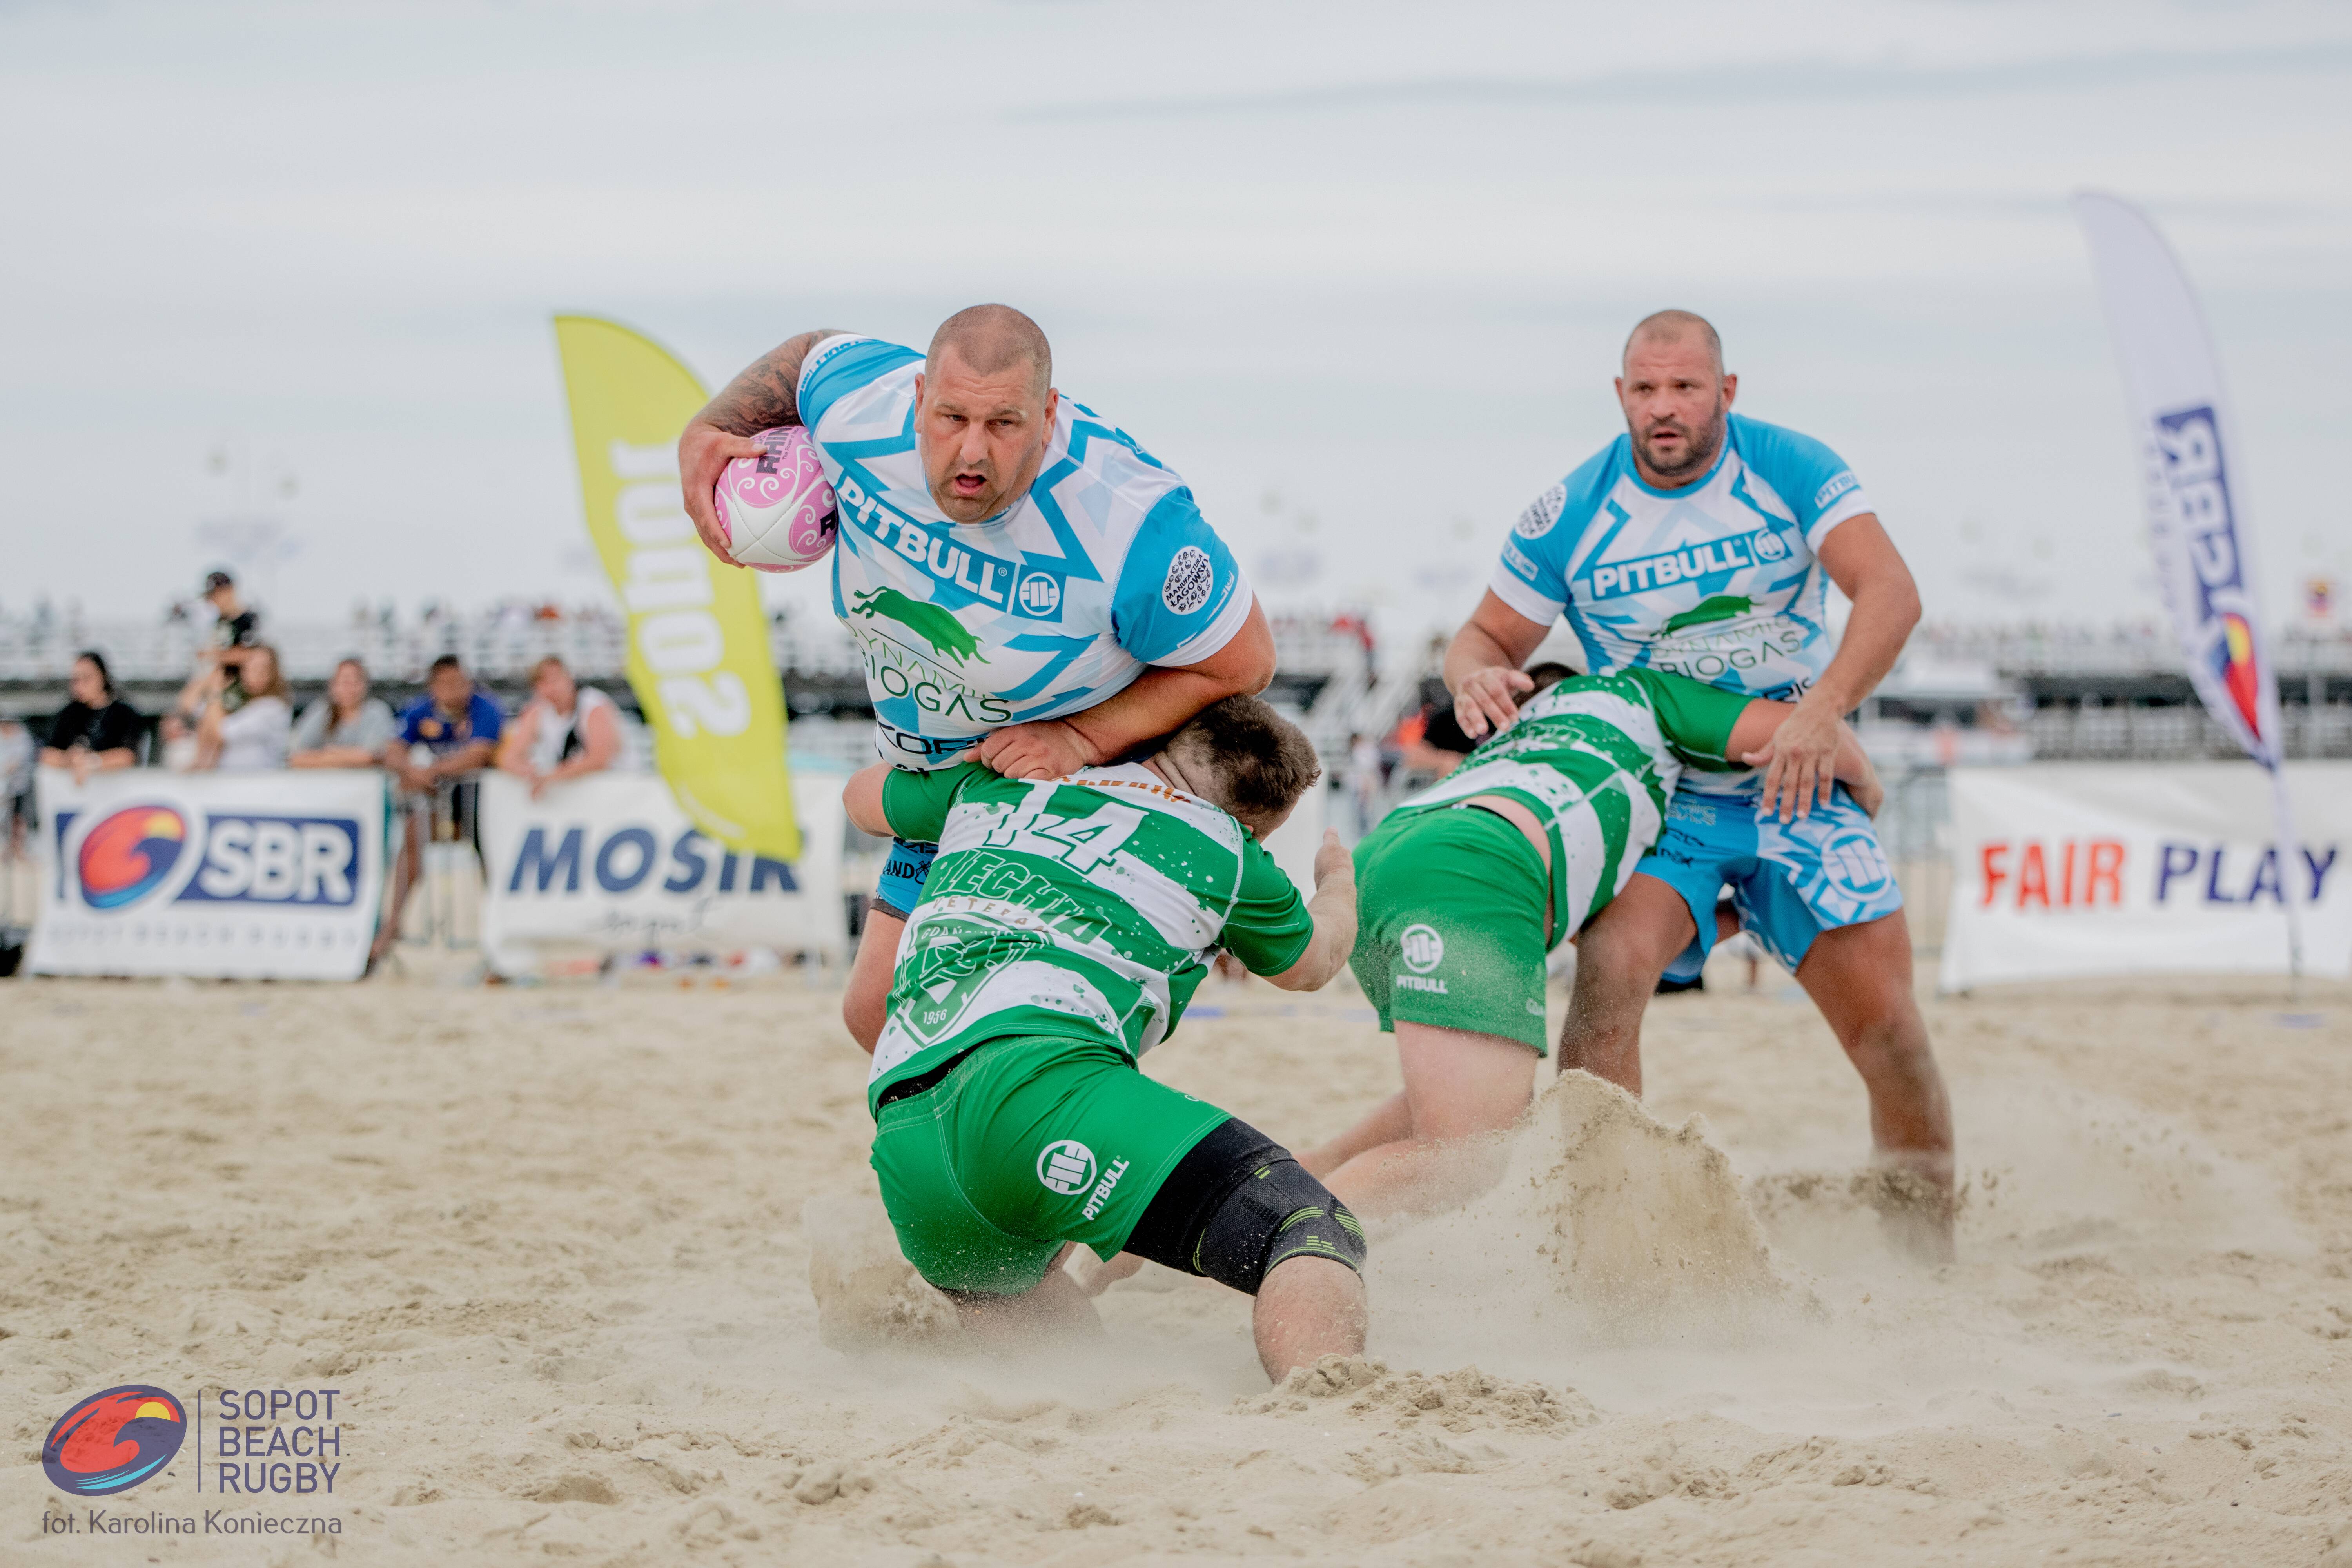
x=1676, y=397
x=983, y=410
x=1239, y=754
x=1546, y=676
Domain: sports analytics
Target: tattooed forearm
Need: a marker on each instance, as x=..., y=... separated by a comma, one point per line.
x=766, y=395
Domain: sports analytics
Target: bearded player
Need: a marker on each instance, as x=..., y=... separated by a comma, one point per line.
x=1700, y=542
x=1028, y=588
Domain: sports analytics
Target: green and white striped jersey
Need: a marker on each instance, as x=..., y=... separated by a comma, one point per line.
x=1086, y=907
x=1594, y=758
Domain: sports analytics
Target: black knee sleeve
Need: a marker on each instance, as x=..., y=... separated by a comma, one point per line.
x=1236, y=1205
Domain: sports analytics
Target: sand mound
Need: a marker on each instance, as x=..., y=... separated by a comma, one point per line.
x=868, y=1295
x=1646, y=1216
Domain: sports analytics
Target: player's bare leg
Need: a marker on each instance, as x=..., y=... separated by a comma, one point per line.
x=405, y=868
x=1460, y=1091
x=1307, y=1308
x=867, y=1002
x=1055, y=1308
x=1859, y=978
x=1619, y=958
x=1389, y=1121
x=1095, y=1276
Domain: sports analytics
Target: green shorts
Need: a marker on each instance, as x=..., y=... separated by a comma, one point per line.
x=1027, y=1143
x=1449, y=932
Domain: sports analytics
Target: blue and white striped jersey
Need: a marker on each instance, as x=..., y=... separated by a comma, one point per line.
x=1717, y=581
x=1055, y=603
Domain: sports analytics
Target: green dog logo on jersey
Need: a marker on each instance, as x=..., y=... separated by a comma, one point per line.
x=1721, y=607
x=949, y=637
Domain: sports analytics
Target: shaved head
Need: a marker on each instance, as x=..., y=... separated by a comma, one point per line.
x=1669, y=326
x=991, y=340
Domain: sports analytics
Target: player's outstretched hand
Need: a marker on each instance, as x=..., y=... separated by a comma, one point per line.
x=1332, y=859
x=703, y=453
x=1050, y=748
x=1488, y=700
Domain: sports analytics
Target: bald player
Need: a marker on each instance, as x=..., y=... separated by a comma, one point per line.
x=1701, y=542
x=1026, y=584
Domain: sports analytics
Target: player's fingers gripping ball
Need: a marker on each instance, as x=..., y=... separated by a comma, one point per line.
x=776, y=509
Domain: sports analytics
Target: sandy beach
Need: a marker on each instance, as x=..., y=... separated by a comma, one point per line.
x=552, y=1247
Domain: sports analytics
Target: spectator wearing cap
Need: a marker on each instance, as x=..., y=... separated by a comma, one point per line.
x=450, y=731
x=235, y=628
x=346, y=728
x=97, y=730
x=254, y=734
x=566, y=731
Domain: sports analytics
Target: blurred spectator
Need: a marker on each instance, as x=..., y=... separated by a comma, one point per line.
x=566, y=731
x=1365, y=779
x=1432, y=744
x=96, y=730
x=454, y=724
x=235, y=629
x=446, y=733
x=346, y=728
x=254, y=734
x=16, y=754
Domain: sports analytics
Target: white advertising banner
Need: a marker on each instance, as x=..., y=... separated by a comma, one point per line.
x=611, y=862
x=2072, y=869
x=272, y=875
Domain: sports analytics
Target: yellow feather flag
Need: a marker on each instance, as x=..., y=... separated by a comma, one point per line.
x=699, y=654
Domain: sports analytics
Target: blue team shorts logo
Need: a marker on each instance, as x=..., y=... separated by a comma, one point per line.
x=113, y=1440
x=1039, y=595
x=1856, y=863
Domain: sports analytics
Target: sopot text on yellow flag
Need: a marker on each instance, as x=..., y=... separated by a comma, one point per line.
x=699, y=654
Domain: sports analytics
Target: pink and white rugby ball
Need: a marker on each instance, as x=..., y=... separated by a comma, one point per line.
x=776, y=507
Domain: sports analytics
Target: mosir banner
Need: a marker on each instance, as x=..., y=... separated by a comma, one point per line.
x=251, y=876
x=2125, y=869
x=611, y=862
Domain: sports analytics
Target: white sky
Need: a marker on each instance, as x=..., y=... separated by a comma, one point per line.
x=1358, y=271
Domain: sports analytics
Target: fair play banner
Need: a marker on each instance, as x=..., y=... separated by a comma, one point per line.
x=251, y=876
x=610, y=862
x=2062, y=870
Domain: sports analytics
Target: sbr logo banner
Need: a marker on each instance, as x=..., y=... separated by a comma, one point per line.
x=263, y=875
